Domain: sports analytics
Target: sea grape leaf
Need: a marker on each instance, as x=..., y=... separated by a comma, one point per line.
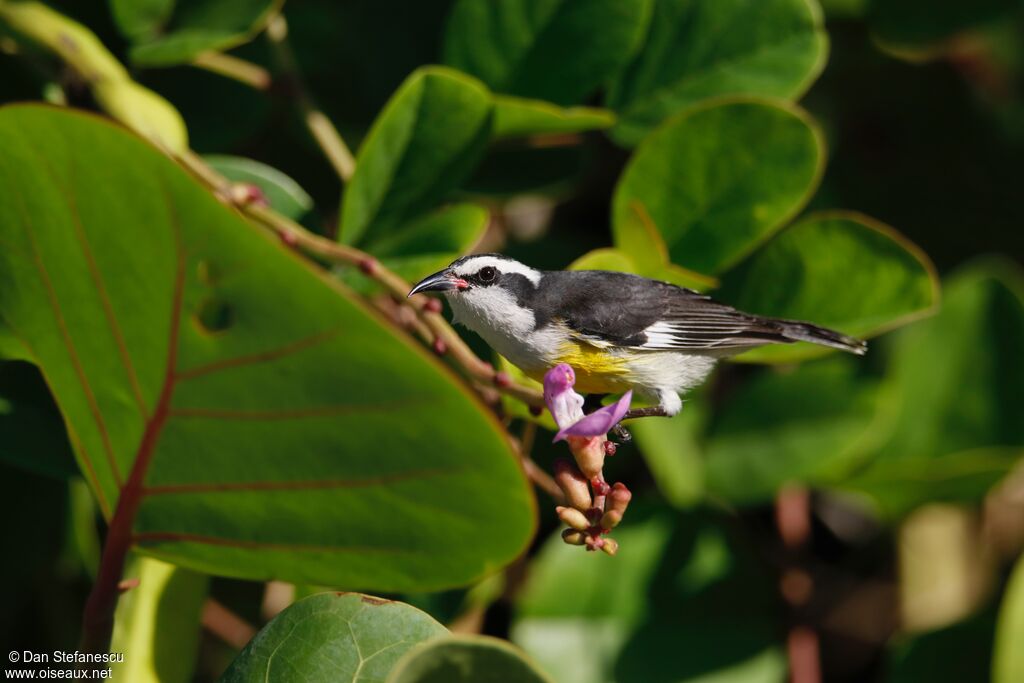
x=140, y=19
x=333, y=637
x=283, y=194
x=466, y=659
x=518, y=117
x=424, y=143
x=197, y=26
x=555, y=50
x=257, y=417
x=837, y=269
x=720, y=179
x=952, y=395
x=697, y=49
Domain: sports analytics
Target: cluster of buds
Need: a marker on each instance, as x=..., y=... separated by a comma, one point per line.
x=594, y=508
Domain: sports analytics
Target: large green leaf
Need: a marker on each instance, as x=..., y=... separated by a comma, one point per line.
x=680, y=601
x=810, y=426
x=466, y=659
x=673, y=451
x=697, y=49
x=953, y=395
x=840, y=270
x=556, y=50
x=720, y=179
x=1008, y=657
x=335, y=638
x=193, y=27
x=251, y=417
x=422, y=145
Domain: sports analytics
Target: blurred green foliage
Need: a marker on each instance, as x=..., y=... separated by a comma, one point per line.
x=284, y=426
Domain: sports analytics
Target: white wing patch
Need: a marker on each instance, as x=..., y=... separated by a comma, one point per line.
x=710, y=331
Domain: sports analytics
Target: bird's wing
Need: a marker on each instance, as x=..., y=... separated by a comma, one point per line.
x=615, y=309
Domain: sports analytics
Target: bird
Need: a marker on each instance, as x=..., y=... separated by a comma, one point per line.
x=618, y=331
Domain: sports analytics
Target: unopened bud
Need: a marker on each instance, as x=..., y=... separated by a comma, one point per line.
x=610, y=447
x=368, y=265
x=573, y=485
x=440, y=347
x=502, y=379
x=589, y=454
x=574, y=537
x=611, y=546
x=618, y=501
x=573, y=517
x=432, y=305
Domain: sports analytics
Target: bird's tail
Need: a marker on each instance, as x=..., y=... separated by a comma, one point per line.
x=796, y=330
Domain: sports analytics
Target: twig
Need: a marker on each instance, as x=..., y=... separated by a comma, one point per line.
x=793, y=519
x=320, y=127
x=226, y=625
x=253, y=75
x=330, y=251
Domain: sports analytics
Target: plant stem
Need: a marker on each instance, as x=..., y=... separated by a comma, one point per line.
x=330, y=251
x=253, y=75
x=320, y=127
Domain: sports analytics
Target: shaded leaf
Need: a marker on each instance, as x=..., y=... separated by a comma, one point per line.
x=838, y=269
x=720, y=179
x=518, y=117
x=197, y=26
x=556, y=50
x=697, y=49
x=673, y=451
x=811, y=426
x=424, y=143
x=140, y=19
x=466, y=659
x=333, y=637
x=958, y=653
x=924, y=23
x=953, y=395
x=206, y=373
x=282, y=193
x=1008, y=657
x=158, y=622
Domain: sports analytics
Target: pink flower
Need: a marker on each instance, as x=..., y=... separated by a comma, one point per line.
x=566, y=406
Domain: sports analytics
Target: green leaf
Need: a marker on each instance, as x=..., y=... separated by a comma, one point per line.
x=425, y=142
x=260, y=419
x=952, y=395
x=556, y=50
x=283, y=194
x=810, y=426
x=1008, y=657
x=711, y=606
x=720, y=179
x=673, y=451
x=697, y=49
x=519, y=117
x=954, y=654
x=466, y=659
x=158, y=622
x=140, y=19
x=198, y=26
x=838, y=269
x=334, y=637
x=32, y=435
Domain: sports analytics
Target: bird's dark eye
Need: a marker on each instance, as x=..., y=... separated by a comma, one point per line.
x=487, y=274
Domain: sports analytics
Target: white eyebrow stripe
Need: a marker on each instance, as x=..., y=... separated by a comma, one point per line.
x=473, y=264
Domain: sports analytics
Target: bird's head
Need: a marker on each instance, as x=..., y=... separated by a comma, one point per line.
x=470, y=277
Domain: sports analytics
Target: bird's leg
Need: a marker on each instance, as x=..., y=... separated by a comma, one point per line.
x=653, y=411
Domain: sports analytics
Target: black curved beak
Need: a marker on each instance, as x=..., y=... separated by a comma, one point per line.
x=441, y=281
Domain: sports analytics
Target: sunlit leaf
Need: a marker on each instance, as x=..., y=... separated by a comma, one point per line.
x=556, y=50
x=466, y=659
x=720, y=179
x=840, y=270
x=251, y=417
x=335, y=638
x=427, y=140
x=698, y=49
x=1008, y=658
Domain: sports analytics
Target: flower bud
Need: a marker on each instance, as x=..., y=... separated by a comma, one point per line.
x=589, y=453
x=573, y=484
x=611, y=546
x=573, y=517
x=618, y=501
x=573, y=537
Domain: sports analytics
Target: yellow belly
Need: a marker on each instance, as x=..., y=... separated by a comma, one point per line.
x=597, y=370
